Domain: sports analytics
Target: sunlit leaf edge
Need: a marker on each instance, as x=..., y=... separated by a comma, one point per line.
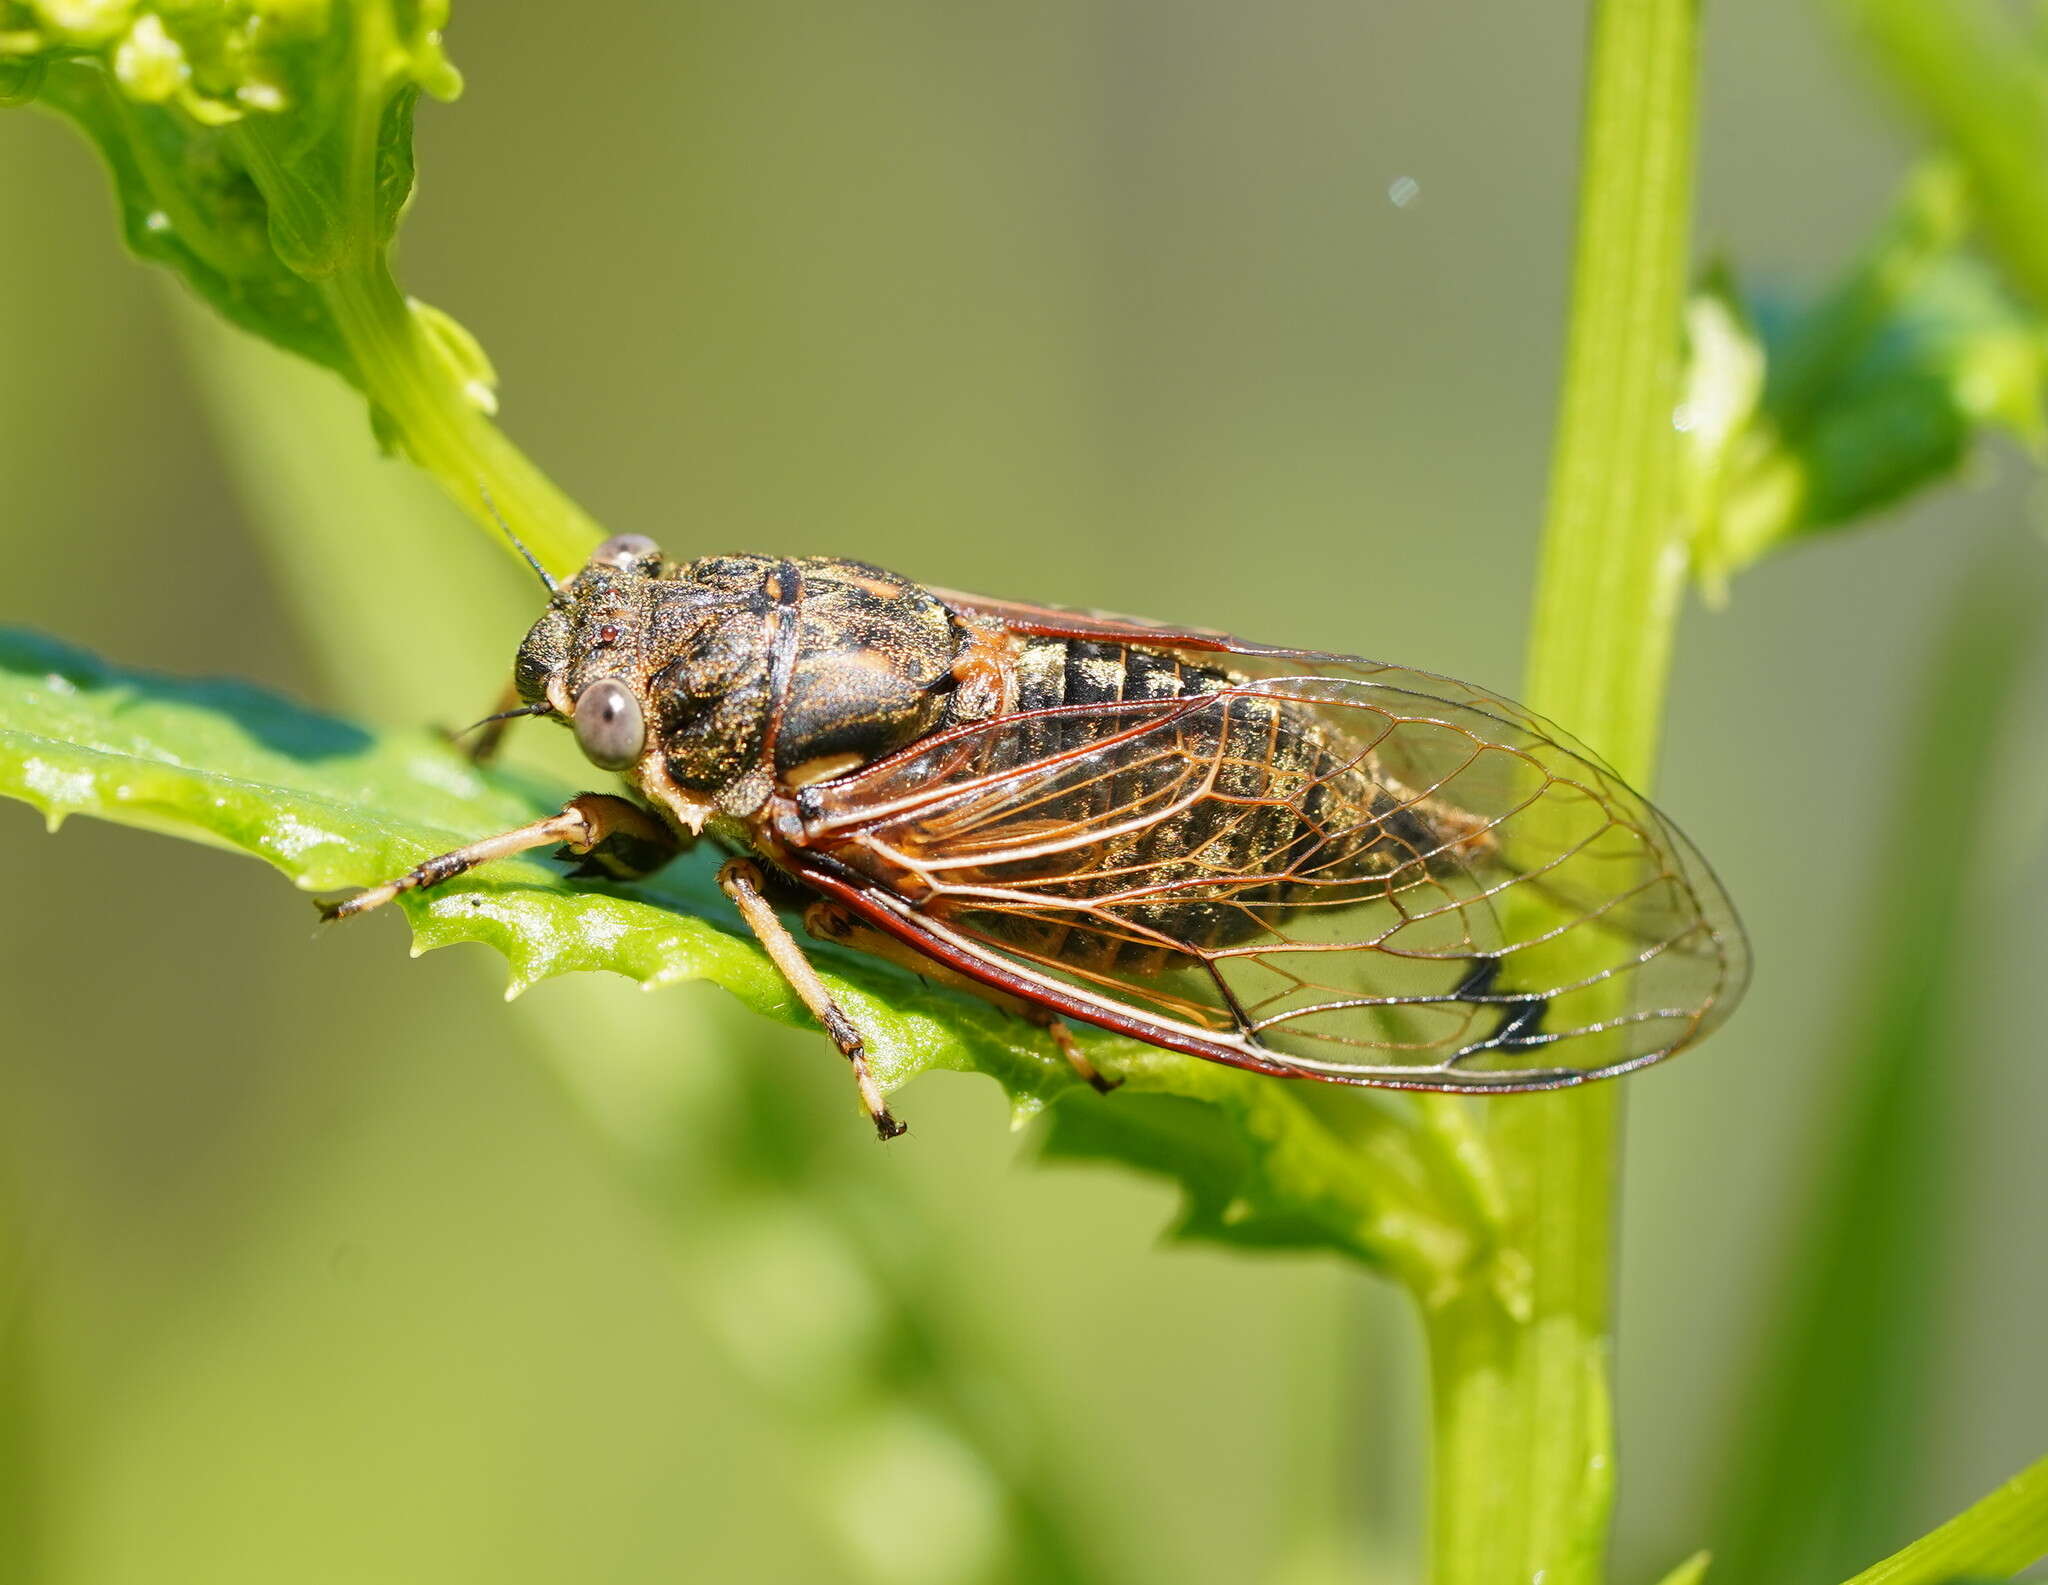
x=334, y=805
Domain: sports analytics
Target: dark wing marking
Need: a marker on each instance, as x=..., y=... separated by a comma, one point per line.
x=1365, y=875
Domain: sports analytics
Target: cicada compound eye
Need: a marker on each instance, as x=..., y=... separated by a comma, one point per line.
x=625, y=551
x=610, y=728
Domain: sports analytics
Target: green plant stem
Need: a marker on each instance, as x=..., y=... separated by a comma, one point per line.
x=1988, y=1540
x=1523, y=1461
x=438, y=417
x=420, y=394
x=440, y=425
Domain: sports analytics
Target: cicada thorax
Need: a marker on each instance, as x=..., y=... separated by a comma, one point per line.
x=1186, y=839
x=772, y=674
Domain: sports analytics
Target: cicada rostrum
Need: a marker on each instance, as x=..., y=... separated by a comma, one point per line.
x=1304, y=864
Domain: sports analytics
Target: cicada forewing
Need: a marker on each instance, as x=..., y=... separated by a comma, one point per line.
x=1351, y=872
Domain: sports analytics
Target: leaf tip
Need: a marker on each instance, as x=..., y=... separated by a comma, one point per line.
x=1691, y=1571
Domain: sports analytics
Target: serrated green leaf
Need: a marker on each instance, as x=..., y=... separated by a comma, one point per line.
x=262, y=151
x=256, y=152
x=334, y=805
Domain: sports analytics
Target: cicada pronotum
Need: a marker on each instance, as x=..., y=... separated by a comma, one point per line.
x=1305, y=864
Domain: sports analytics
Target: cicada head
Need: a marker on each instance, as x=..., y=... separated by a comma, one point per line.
x=710, y=681
x=585, y=659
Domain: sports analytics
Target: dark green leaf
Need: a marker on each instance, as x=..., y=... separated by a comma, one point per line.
x=264, y=154
x=334, y=805
x=1810, y=417
x=257, y=162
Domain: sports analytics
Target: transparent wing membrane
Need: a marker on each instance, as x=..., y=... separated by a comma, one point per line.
x=1361, y=874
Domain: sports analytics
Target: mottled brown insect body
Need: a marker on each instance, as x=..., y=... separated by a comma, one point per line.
x=1214, y=861
x=1300, y=863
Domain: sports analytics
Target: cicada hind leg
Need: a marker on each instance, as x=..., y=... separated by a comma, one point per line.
x=829, y=922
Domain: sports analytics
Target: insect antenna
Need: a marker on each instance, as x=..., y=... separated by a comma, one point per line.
x=508, y=715
x=519, y=545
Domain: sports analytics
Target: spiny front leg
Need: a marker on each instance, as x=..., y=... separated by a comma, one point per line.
x=742, y=880
x=586, y=822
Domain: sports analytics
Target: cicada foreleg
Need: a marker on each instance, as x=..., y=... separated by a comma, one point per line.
x=741, y=880
x=829, y=922
x=618, y=837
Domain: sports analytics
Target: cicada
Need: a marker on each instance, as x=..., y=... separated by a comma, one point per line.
x=1304, y=864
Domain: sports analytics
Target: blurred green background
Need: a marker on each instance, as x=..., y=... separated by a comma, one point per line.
x=333, y=1267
